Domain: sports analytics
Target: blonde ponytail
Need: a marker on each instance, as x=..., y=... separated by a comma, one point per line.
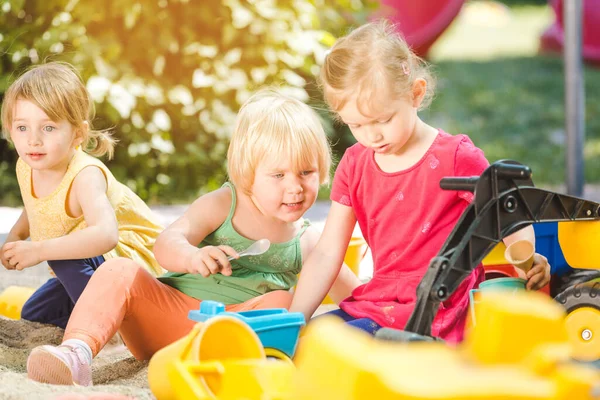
x=99, y=143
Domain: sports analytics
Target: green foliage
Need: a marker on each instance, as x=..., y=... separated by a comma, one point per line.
x=169, y=75
x=514, y=108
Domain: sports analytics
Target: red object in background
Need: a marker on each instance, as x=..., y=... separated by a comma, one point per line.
x=420, y=21
x=553, y=38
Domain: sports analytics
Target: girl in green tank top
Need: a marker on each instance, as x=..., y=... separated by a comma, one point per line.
x=277, y=158
x=252, y=276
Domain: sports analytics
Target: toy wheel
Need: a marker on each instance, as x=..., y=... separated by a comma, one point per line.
x=582, y=303
x=277, y=354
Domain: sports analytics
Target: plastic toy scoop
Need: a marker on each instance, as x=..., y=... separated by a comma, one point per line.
x=256, y=248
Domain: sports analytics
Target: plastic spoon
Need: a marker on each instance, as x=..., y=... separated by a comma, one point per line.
x=256, y=248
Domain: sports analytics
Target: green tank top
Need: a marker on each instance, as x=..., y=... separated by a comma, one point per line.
x=252, y=276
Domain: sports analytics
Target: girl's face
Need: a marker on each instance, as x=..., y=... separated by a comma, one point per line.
x=389, y=128
x=281, y=192
x=42, y=143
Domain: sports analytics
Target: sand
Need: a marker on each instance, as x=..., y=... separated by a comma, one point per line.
x=114, y=370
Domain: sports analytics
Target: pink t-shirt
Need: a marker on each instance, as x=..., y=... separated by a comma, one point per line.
x=405, y=218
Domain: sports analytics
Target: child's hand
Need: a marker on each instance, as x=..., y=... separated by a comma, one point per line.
x=21, y=254
x=539, y=274
x=211, y=260
x=3, y=259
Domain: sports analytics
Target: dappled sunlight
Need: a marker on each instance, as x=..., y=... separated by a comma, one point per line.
x=169, y=76
x=487, y=30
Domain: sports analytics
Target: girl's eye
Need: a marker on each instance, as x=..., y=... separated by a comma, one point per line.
x=48, y=128
x=21, y=128
x=277, y=176
x=306, y=173
x=386, y=121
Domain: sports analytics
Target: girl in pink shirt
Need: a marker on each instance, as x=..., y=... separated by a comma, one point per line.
x=389, y=183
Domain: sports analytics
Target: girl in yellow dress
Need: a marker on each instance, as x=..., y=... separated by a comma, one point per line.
x=76, y=213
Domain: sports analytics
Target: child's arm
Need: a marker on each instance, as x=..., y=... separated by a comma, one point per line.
x=19, y=231
x=346, y=280
x=344, y=284
x=323, y=264
x=100, y=236
x=176, y=247
x=539, y=274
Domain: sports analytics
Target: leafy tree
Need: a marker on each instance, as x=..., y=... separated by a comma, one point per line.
x=169, y=75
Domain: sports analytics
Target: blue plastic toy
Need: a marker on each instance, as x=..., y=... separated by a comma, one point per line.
x=277, y=329
x=546, y=243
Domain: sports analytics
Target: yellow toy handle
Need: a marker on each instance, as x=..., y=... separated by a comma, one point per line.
x=208, y=367
x=278, y=354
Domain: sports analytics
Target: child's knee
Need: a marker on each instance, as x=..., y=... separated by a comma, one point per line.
x=278, y=299
x=117, y=270
x=59, y=264
x=35, y=312
x=30, y=312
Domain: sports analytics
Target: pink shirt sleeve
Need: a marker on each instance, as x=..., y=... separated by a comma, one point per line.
x=340, y=189
x=469, y=160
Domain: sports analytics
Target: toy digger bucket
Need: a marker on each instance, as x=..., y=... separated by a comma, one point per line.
x=218, y=339
x=12, y=300
x=579, y=243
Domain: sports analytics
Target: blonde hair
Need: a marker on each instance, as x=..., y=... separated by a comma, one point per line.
x=373, y=62
x=271, y=124
x=57, y=88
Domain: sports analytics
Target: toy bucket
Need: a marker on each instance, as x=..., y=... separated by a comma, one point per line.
x=12, y=300
x=220, y=338
x=504, y=284
x=234, y=379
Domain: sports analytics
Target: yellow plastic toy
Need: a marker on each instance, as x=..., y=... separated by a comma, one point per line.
x=12, y=300
x=518, y=351
x=249, y=379
x=221, y=358
x=357, y=249
x=579, y=243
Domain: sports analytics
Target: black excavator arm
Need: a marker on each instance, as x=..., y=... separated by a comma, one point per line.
x=505, y=201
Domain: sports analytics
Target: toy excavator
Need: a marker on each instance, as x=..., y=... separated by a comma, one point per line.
x=506, y=201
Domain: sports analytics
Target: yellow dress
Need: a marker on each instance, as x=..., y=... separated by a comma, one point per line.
x=48, y=218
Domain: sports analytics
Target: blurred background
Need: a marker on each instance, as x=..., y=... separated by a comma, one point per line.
x=169, y=76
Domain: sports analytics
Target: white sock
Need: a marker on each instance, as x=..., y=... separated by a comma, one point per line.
x=82, y=345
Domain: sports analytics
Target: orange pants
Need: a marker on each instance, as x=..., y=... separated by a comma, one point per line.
x=122, y=296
